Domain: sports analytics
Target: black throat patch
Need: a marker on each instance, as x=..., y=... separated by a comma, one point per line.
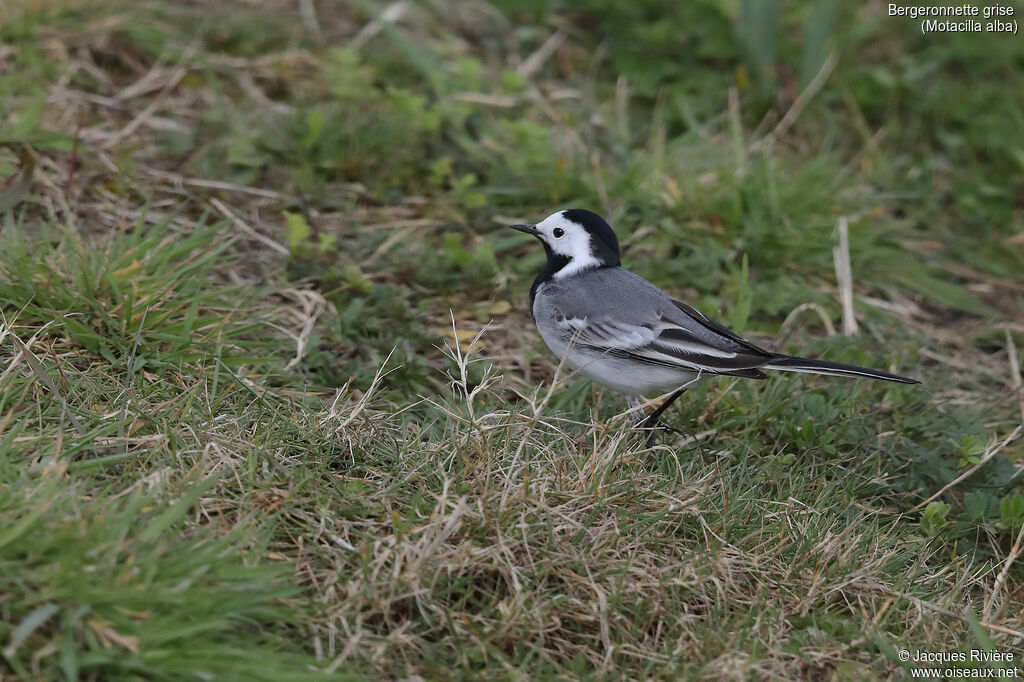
x=555, y=263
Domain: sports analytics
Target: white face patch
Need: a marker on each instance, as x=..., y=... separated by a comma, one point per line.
x=568, y=239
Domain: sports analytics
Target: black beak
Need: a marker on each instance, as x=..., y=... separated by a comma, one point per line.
x=528, y=229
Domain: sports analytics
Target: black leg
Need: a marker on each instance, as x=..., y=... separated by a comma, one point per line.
x=651, y=422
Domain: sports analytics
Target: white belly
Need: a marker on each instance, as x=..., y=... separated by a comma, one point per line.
x=625, y=376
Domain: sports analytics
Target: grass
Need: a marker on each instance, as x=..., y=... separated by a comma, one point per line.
x=272, y=406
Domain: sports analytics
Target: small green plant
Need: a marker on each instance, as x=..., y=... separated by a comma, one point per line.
x=1011, y=512
x=980, y=506
x=970, y=447
x=933, y=520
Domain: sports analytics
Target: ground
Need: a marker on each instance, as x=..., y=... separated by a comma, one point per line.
x=272, y=405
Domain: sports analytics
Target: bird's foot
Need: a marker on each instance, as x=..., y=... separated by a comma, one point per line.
x=653, y=426
x=652, y=421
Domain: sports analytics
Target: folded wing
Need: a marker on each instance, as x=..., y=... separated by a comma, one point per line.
x=679, y=336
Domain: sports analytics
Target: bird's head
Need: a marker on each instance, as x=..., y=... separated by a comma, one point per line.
x=575, y=239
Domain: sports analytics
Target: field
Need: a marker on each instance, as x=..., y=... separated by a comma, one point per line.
x=272, y=406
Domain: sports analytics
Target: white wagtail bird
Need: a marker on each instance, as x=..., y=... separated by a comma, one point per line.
x=623, y=332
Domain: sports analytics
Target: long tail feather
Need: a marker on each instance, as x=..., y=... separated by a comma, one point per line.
x=788, y=363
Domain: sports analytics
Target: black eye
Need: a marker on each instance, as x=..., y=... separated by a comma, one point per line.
x=558, y=232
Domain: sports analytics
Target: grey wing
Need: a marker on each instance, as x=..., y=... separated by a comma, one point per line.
x=673, y=337
x=633, y=318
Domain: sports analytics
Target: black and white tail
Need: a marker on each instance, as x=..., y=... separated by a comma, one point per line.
x=789, y=363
